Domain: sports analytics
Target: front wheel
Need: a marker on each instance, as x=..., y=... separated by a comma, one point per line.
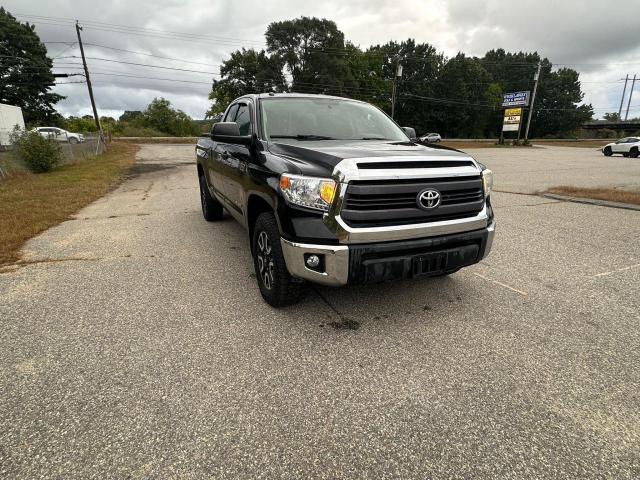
x=634, y=153
x=277, y=286
x=607, y=152
x=73, y=140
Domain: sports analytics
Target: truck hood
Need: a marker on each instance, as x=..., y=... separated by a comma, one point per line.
x=320, y=157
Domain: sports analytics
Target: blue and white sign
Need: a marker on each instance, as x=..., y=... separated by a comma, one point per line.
x=516, y=99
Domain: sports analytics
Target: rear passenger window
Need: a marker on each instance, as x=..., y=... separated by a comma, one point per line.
x=243, y=119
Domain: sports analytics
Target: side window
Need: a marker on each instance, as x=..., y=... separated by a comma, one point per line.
x=243, y=119
x=231, y=114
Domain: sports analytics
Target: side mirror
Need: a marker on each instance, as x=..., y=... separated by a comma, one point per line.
x=411, y=133
x=229, y=132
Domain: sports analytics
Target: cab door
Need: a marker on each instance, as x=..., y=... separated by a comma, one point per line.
x=620, y=146
x=238, y=158
x=217, y=165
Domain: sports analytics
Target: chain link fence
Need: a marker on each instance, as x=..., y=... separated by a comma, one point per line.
x=70, y=153
x=91, y=147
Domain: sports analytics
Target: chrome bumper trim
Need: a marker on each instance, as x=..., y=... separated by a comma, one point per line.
x=350, y=235
x=336, y=262
x=491, y=232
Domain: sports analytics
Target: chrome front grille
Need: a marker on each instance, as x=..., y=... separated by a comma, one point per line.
x=371, y=203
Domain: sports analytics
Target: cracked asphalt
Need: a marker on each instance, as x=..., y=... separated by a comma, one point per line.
x=134, y=344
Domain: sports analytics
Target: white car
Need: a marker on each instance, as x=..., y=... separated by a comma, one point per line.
x=59, y=135
x=628, y=147
x=431, y=138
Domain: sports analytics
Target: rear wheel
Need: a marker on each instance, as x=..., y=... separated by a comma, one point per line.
x=607, y=151
x=211, y=208
x=634, y=152
x=277, y=286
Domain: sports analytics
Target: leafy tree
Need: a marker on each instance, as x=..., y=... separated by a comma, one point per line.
x=313, y=51
x=247, y=71
x=25, y=72
x=78, y=124
x=420, y=66
x=556, y=112
x=130, y=115
x=612, y=117
x=160, y=115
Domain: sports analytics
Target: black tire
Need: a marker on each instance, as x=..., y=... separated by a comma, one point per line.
x=277, y=286
x=634, y=152
x=211, y=208
x=607, y=152
x=73, y=140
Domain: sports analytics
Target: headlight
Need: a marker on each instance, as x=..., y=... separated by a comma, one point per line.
x=487, y=181
x=310, y=192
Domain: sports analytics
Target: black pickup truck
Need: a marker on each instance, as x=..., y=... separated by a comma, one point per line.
x=332, y=191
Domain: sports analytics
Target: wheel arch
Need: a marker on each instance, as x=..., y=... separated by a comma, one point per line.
x=256, y=205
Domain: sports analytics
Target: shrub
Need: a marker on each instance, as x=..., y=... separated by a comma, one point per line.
x=38, y=153
x=133, y=131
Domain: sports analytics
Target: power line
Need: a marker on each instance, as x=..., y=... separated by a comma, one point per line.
x=146, y=65
x=152, y=55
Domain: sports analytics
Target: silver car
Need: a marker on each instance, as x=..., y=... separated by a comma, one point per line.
x=60, y=135
x=431, y=138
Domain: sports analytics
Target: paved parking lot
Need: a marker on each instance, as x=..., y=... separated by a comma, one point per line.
x=136, y=345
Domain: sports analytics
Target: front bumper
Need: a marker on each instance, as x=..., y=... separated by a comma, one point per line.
x=378, y=262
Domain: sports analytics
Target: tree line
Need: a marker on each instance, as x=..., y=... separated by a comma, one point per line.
x=458, y=96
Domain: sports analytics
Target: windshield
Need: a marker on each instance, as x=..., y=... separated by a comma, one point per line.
x=326, y=119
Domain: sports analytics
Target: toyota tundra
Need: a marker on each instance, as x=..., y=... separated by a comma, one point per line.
x=332, y=191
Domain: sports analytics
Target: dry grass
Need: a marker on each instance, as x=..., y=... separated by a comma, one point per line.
x=32, y=203
x=472, y=144
x=610, y=194
x=573, y=143
x=143, y=140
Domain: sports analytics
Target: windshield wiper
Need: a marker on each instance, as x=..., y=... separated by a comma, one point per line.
x=303, y=137
x=373, y=138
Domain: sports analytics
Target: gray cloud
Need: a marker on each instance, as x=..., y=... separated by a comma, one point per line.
x=600, y=43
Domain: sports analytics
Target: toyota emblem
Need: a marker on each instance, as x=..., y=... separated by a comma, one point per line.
x=429, y=199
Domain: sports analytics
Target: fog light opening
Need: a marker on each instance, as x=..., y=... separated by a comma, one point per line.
x=314, y=261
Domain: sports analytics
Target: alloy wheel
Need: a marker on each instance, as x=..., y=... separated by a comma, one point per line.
x=264, y=255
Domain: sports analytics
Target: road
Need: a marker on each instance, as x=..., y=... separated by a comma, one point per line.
x=135, y=345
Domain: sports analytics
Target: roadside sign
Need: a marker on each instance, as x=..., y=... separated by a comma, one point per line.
x=515, y=99
x=511, y=121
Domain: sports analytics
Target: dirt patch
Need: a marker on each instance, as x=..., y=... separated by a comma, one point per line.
x=603, y=193
x=345, y=324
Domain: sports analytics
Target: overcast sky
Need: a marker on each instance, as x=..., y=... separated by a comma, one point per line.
x=601, y=42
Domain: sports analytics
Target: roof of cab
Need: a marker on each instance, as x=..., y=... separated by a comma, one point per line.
x=255, y=96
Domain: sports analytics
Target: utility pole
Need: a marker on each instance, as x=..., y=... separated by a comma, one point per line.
x=86, y=74
x=624, y=90
x=397, y=75
x=536, y=77
x=633, y=84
